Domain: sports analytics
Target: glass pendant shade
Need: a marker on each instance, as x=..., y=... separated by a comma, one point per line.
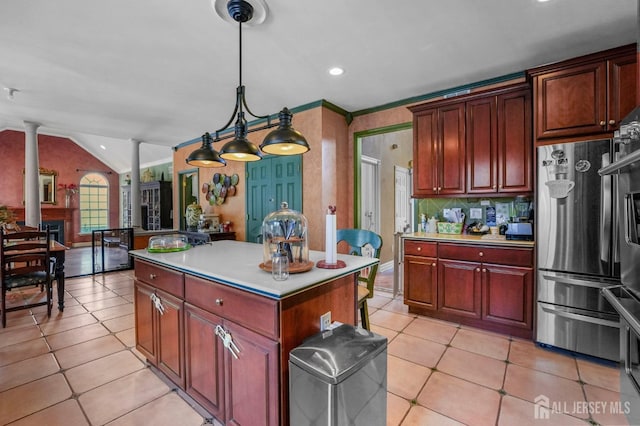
x=285, y=140
x=205, y=156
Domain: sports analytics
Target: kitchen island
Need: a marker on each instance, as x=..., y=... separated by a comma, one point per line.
x=187, y=302
x=482, y=281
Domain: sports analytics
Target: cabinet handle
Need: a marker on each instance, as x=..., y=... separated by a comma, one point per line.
x=219, y=302
x=435, y=189
x=152, y=276
x=481, y=254
x=157, y=303
x=477, y=269
x=612, y=122
x=419, y=248
x=494, y=187
x=439, y=188
x=484, y=269
x=433, y=265
x=227, y=340
x=602, y=123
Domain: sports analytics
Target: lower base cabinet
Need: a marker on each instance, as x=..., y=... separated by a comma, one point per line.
x=507, y=297
x=488, y=287
x=204, y=354
x=459, y=288
x=160, y=329
x=180, y=323
x=238, y=390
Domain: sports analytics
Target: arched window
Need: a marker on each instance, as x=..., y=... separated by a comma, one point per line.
x=94, y=202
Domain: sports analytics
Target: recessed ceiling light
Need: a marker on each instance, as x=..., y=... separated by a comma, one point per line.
x=103, y=147
x=542, y=1
x=336, y=71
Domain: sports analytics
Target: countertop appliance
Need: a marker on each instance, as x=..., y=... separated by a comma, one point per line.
x=519, y=231
x=577, y=248
x=626, y=297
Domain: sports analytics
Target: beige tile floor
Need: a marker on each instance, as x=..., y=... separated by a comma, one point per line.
x=80, y=367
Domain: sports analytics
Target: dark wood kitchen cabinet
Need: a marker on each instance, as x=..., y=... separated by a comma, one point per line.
x=223, y=384
x=499, y=142
x=439, y=150
x=488, y=287
x=459, y=288
x=159, y=319
x=420, y=269
x=479, y=143
x=184, y=343
x=507, y=295
x=204, y=355
x=585, y=97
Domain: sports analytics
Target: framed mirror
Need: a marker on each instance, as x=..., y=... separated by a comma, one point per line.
x=47, y=186
x=47, y=181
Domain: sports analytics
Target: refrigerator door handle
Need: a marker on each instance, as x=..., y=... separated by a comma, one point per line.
x=578, y=317
x=573, y=281
x=605, y=214
x=615, y=220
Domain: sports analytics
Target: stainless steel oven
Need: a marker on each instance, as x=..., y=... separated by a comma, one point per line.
x=625, y=299
x=628, y=305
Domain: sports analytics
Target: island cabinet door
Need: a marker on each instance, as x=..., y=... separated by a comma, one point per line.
x=204, y=355
x=145, y=324
x=459, y=288
x=507, y=295
x=252, y=380
x=170, y=320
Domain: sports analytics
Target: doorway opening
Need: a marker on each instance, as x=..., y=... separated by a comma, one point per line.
x=382, y=187
x=188, y=184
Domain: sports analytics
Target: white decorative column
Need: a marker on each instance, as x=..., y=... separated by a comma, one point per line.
x=136, y=214
x=32, y=214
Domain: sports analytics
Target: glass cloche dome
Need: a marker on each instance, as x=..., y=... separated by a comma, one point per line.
x=286, y=229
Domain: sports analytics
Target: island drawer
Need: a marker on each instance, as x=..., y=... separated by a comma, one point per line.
x=420, y=248
x=161, y=278
x=255, y=312
x=514, y=256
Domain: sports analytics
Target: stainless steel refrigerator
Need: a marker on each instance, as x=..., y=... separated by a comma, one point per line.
x=577, y=248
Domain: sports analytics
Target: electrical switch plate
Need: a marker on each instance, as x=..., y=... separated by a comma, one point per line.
x=325, y=321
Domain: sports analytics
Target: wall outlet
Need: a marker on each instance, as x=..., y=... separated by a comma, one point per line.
x=325, y=321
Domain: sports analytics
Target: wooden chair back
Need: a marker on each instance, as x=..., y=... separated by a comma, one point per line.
x=362, y=242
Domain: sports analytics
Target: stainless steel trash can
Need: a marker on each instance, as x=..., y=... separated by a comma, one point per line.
x=339, y=377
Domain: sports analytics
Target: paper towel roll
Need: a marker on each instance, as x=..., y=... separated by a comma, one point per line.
x=330, y=242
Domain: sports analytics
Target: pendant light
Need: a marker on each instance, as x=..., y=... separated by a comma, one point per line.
x=284, y=140
x=205, y=156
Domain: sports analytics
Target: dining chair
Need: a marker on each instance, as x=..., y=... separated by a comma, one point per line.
x=25, y=261
x=363, y=242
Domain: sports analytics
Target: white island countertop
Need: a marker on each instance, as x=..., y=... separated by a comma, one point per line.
x=235, y=263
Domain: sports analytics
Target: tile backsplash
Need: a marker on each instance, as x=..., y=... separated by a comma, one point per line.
x=433, y=207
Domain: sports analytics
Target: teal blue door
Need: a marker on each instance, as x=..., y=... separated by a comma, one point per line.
x=271, y=181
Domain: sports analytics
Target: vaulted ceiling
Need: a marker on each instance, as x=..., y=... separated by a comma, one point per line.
x=165, y=71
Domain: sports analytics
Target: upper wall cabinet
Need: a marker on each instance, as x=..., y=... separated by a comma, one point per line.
x=585, y=97
x=438, y=149
x=499, y=144
x=475, y=144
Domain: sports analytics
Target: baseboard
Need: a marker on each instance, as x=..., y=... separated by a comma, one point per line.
x=386, y=266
